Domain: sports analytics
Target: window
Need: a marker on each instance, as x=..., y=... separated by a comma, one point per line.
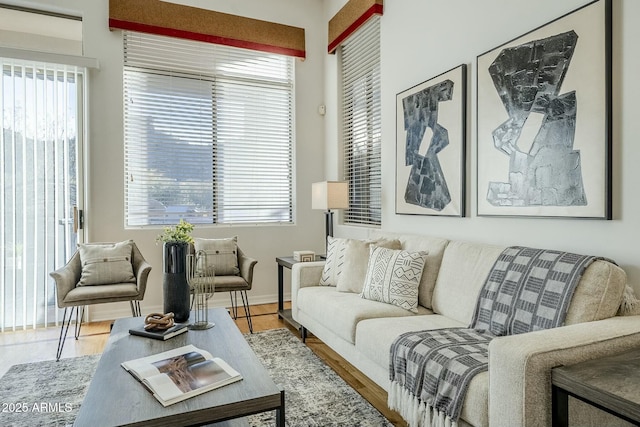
x=208, y=133
x=360, y=61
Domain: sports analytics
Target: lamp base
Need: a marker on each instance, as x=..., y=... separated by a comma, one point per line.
x=328, y=228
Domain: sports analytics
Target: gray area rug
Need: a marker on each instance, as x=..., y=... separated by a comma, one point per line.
x=50, y=393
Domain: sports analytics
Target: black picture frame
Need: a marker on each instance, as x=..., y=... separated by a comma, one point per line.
x=544, y=103
x=431, y=146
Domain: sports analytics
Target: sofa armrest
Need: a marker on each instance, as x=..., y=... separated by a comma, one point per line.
x=520, y=365
x=304, y=274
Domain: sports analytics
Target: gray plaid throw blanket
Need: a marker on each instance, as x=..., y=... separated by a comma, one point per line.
x=527, y=289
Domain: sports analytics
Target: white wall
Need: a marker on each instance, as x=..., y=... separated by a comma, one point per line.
x=105, y=204
x=421, y=39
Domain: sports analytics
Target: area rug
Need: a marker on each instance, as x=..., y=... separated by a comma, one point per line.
x=50, y=393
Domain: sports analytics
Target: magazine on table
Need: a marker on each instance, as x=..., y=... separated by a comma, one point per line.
x=181, y=373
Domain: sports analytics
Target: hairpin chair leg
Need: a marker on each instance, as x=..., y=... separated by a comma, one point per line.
x=64, y=329
x=66, y=323
x=234, y=304
x=135, y=308
x=79, y=317
x=247, y=309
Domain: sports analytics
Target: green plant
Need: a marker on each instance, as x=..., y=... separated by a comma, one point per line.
x=181, y=232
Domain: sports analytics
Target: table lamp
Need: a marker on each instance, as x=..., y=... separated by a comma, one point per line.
x=329, y=195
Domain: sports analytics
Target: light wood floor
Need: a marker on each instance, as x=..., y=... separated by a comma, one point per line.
x=36, y=345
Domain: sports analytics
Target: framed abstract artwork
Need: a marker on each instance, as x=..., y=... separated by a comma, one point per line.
x=544, y=120
x=430, y=146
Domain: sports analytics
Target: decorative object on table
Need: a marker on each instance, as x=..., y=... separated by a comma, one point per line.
x=201, y=281
x=544, y=120
x=184, y=372
x=329, y=195
x=159, y=321
x=304, y=256
x=233, y=271
x=160, y=327
x=430, y=146
x=91, y=264
x=175, y=288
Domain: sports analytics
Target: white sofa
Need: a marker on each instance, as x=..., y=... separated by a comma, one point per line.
x=516, y=390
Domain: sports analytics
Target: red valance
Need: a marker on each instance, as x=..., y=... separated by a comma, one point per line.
x=350, y=18
x=175, y=20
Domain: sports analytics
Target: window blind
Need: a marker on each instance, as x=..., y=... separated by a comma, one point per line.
x=208, y=133
x=361, y=124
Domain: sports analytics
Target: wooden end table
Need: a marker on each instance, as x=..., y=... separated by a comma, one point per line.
x=287, y=262
x=609, y=383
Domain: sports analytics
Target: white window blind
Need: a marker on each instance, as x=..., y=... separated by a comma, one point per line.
x=360, y=62
x=208, y=133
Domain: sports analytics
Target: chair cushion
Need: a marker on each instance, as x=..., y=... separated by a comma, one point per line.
x=222, y=255
x=100, y=294
x=393, y=277
x=106, y=263
x=230, y=283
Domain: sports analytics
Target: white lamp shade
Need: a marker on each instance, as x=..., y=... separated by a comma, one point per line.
x=330, y=195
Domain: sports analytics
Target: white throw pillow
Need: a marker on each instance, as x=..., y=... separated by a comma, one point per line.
x=222, y=255
x=106, y=263
x=334, y=262
x=356, y=261
x=393, y=277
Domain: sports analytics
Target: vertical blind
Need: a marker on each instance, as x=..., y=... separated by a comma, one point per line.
x=208, y=133
x=360, y=66
x=40, y=114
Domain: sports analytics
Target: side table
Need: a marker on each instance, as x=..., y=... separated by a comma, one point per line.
x=287, y=262
x=610, y=383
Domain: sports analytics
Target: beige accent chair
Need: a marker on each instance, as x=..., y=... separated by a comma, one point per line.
x=70, y=295
x=233, y=284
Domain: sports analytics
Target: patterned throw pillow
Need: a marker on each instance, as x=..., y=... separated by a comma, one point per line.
x=356, y=261
x=335, y=261
x=393, y=277
x=222, y=255
x=106, y=263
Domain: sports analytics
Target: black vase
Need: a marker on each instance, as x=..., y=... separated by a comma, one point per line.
x=174, y=281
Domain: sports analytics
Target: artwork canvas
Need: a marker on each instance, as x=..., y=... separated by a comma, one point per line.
x=543, y=120
x=430, y=146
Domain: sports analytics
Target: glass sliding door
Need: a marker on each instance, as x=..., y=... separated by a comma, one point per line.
x=41, y=182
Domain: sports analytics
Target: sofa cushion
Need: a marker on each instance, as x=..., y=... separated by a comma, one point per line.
x=598, y=294
x=106, y=263
x=356, y=260
x=222, y=255
x=463, y=271
x=435, y=246
x=341, y=312
x=375, y=336
x=393, y=277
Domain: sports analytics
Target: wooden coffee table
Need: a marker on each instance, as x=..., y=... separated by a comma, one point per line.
x=116, y=398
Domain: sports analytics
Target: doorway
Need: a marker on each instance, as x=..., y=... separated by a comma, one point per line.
x=41, y=177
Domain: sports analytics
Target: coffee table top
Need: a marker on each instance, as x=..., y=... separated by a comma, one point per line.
x=116, y=398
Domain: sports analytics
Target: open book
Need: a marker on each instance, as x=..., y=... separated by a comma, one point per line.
x=181, y=373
